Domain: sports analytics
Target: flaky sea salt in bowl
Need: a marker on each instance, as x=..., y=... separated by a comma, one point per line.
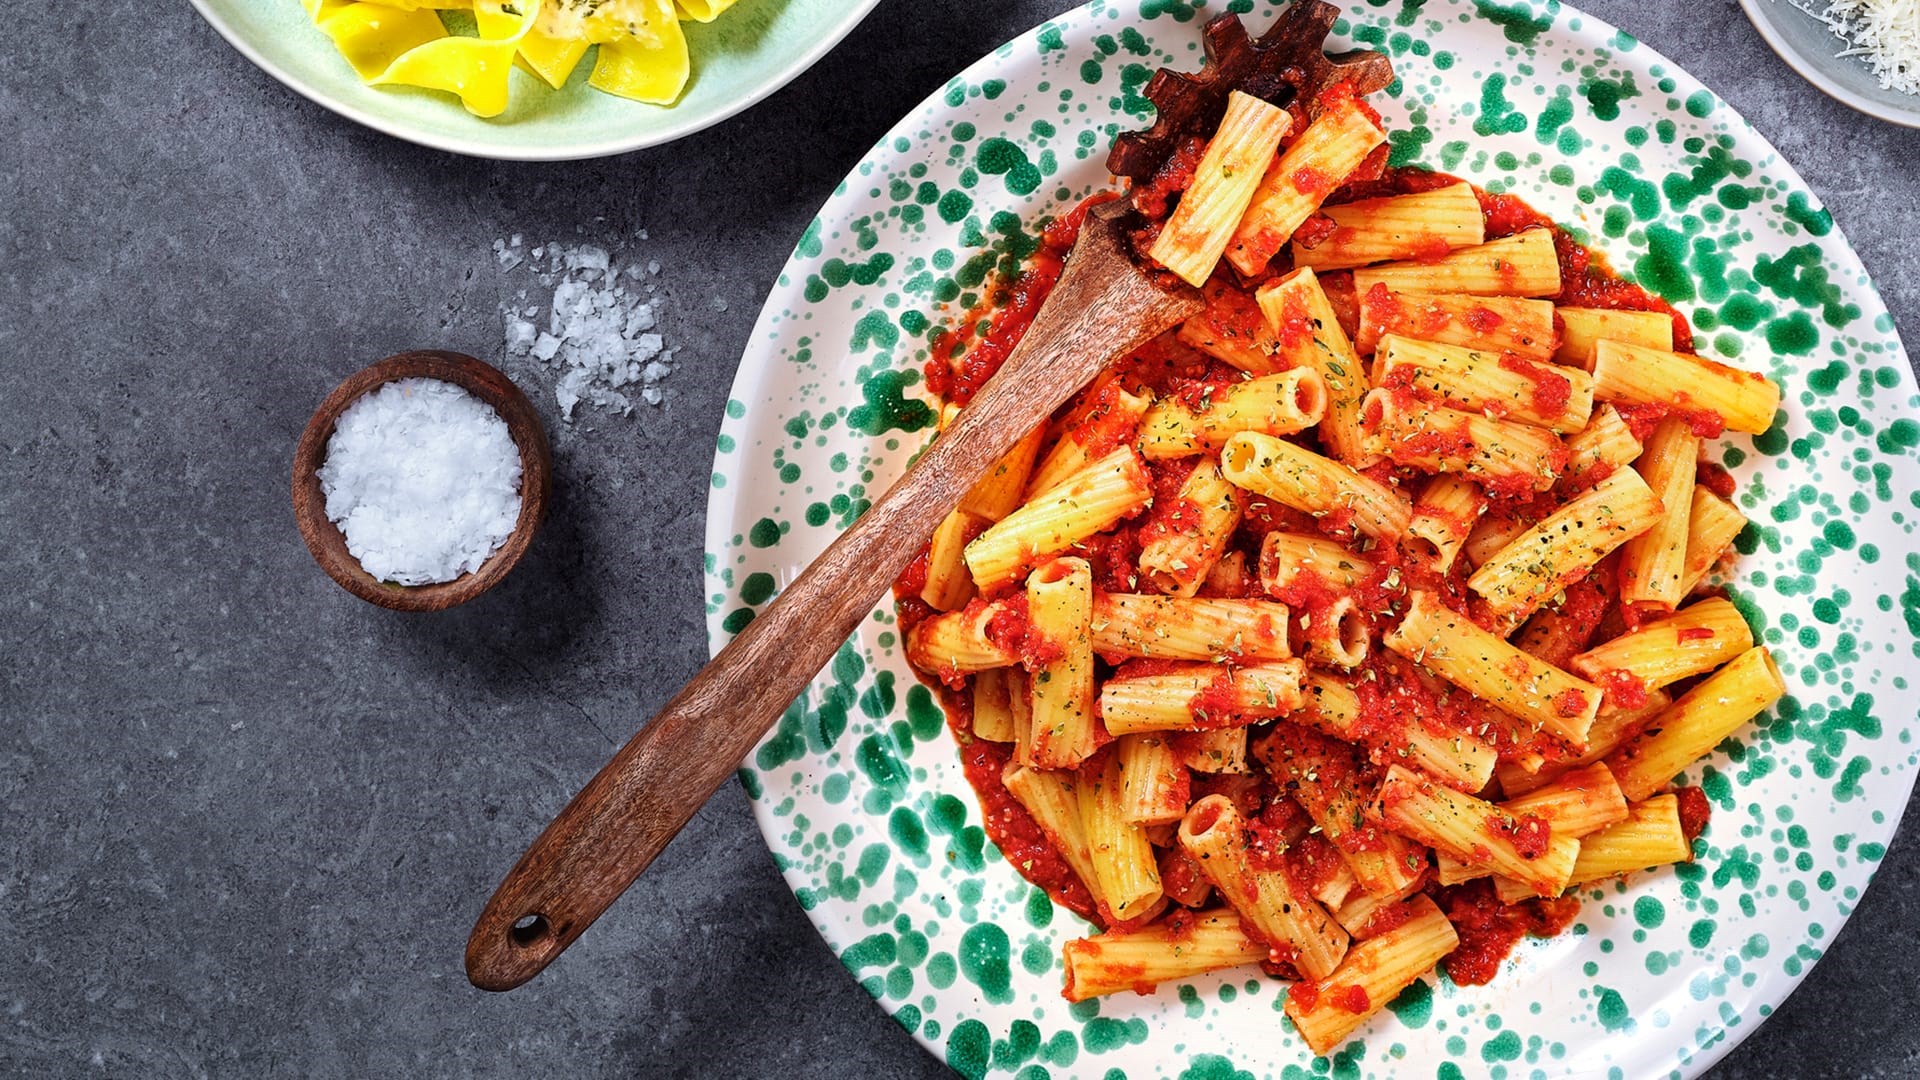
x=420, y=480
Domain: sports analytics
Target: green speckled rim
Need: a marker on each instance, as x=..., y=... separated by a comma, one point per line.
x=750, y=51
x=859, y=790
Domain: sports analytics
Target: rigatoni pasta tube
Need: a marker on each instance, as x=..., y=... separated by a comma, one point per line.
x=992, y=706
x=1020, y=704
x=1695, y=724
x=1523, y=264
x=1123, y=860
x=1215, y=836
x=1477, y=832
x=1694, y=640
x=1501, y=324
x=1583, y=328
x=1650, y=836
x=1451, y=646
x=1337, y=635
x=1052, y=800
x=1611, y=728
x=1421, y=224
x=996, y=494
x=1154, y=786
x=1605, y=444
x=1499, y=453
x=1223, y=184
x=956, y=644
x=1494, y=531
x=1374, y=973
x=1545, y=395
x=1184, y=537
x=1177, y=628
x=1287, y=557
x=1323, y=778
x=1529, y=569
x=1309, y=335
x=1060, y=644
x=1444, y=514
x=1743, y=400
x=1105, y=417
x=1711, y=527
x=1141, y=959
x=949, y=583
x=1197, y=697
x=1333, y=708
x=1223, y=750
x=1653, y=564
x=1274, y=404
x=1232, y=329
x=1299, y=478
x=1295, y=185
x=1093, y=499
x=1577, y=803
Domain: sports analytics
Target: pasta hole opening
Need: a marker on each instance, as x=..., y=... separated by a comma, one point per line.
x=1310, y=397
x=1422, y=550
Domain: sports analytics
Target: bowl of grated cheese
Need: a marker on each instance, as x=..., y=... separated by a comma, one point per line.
x=420, y=480
x=1862, y=53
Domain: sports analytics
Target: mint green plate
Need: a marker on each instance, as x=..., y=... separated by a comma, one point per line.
x=747, y=53
x=859, y=790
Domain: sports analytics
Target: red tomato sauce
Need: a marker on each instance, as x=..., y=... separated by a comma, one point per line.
x=1489, y=929
x=1695, y=811
x=979, y=359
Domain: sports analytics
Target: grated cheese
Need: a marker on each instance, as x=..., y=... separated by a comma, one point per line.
x=1886, y=33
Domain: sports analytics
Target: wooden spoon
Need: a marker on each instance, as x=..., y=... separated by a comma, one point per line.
x=1103, y=308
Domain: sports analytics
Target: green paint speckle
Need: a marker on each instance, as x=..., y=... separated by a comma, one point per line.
x=1612, y=1010
x=1497, y=114
x=1521, y=25
x=969, y=1049
x=1414, y=1006
x=983, y=960
x=1649, y=912
x=887, y=407
x=1000, y=157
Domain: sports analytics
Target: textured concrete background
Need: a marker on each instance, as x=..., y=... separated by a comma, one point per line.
x=248, y=819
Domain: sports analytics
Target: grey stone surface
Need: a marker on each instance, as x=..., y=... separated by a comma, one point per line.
x=248, y=819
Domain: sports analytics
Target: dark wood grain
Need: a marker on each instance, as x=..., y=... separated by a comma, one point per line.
x=1287, y=65
x=1102, y=308
x=324, y=538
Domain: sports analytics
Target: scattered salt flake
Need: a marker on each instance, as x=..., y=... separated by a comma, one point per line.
x=599, y=334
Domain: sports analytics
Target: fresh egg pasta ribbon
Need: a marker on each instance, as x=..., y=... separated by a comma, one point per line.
x=475, y=69
x=372, y=36
x=650, y=64
x=702, y=10
x=643, y=51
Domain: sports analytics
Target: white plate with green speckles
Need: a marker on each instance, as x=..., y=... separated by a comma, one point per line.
x=859, y=790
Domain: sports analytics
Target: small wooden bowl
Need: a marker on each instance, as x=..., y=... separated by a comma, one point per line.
x=324, y=538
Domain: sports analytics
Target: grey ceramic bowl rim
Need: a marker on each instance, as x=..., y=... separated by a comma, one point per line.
x=1809, y=69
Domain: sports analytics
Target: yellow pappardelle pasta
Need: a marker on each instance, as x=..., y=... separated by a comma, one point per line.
x=642, y=51
x=1359, y=625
